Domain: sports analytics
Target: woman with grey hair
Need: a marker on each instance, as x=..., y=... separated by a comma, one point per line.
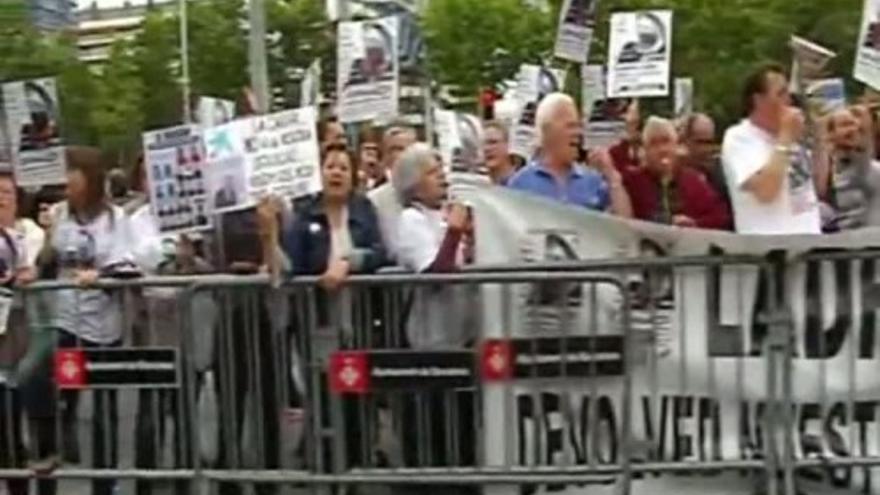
x=431, y=235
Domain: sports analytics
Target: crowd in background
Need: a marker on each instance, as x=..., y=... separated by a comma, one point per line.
x=385, y=202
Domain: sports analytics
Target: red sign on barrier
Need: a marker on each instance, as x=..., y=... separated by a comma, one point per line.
x=349, y=373
x=70, y=368
x=497, y=360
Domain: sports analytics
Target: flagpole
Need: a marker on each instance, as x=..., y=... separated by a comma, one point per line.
x=184, y=62
x=258, y=64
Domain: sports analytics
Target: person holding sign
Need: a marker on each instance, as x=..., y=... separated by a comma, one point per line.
x=847, y=176
x=767, y=166
x=555, y=173
x=664, y=191
x=337, y=233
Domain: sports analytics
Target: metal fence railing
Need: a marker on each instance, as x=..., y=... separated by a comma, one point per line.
x=505, y=379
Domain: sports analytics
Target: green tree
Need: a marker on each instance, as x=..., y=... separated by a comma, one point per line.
x=218, y=48
x=299, y=33
x=475, y=43
x=156, y=56
x=117, y=113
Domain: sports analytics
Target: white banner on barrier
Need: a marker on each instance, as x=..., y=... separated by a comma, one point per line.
x=709, y=380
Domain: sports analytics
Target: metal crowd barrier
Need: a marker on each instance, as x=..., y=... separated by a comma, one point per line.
x=601, y=375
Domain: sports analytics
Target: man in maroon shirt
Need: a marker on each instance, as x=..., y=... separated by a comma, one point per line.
x=663, y=191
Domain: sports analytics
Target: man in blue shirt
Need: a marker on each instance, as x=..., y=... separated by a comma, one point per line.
x=555, y=174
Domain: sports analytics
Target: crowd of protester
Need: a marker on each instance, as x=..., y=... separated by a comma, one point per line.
x=384, y=202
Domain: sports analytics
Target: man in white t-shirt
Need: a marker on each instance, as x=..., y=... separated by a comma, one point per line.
x=768, y=170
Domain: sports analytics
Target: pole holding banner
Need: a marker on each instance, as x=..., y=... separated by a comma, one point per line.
x=258, y=64
x=184, y=62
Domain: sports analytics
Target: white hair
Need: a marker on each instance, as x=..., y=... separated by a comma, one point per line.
x=656, y=125
x=547, y=109
x=411, y=165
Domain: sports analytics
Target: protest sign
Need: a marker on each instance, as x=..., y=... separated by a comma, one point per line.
x=640, y=54
x=215, y=111
x=700, y=400
x=577, y=21
x=176, y=175
x=684, y=97
x=459, y=139
x=448, y=139
x=274, y=154
x=867, y=69
x=310, y=89
x=603, y=118
x=228, y=180
x=367, y=70
x=533, y=83
x=826, y=95
x=33, y=117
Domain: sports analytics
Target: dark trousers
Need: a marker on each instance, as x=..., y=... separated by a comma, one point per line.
x=246, y=366
x=154, y=407
x=12, y=453
x=105, y=420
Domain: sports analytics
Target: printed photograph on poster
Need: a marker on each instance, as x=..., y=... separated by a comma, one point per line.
x=640, y=54
x=684, y=97
x=367, y=70
x=228, y=180
x=310, y=88
x=215, y=111
x=867, y=69
x=33, y=118
x=577, y=21
x=177, y=171
x=604, y=123
x=534, y=82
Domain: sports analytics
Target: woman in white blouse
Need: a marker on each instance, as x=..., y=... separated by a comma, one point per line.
x=89, y=237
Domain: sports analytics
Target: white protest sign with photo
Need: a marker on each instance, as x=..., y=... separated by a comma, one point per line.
x=310, y=89
x=533, y=83
x=684, y=97
x=867, y=68
x=367, y=70
x=603, y=118
x=640, y=54
x=448, y=139
x=33, y=119
x=215, y=111
x=577, y=21
x=227, y=182
x=177, y=171
x=274, y=154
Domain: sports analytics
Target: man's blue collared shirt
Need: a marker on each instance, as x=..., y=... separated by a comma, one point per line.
x=583, y=187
